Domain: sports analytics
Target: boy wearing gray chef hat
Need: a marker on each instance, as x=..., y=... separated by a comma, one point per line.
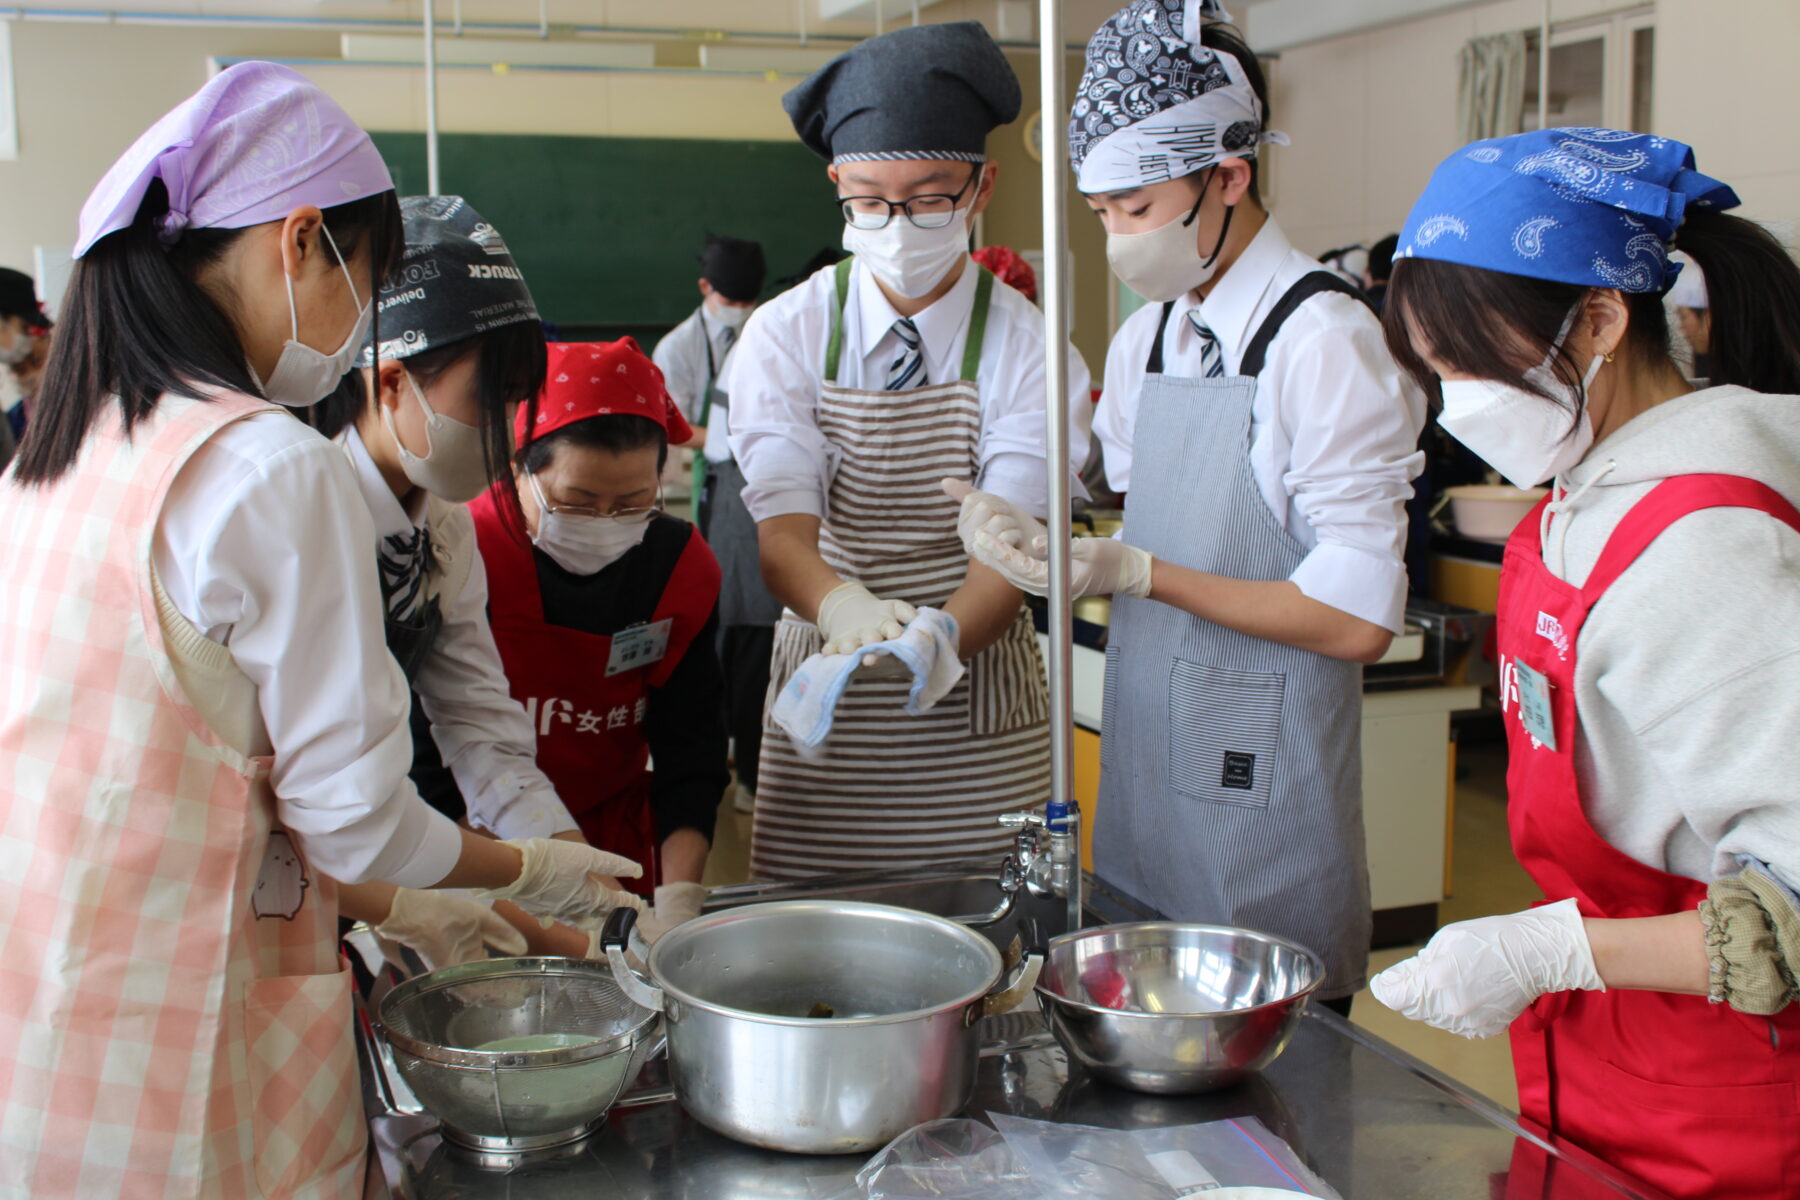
x=852, y=395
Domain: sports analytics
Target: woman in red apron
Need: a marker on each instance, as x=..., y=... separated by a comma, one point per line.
x=603, y=609
x=1646, y=633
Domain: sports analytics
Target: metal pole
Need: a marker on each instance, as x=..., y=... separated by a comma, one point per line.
x=1055, y=291
x=431, y=129
x=456, y=17
x=1544, y=68
x=915, y=8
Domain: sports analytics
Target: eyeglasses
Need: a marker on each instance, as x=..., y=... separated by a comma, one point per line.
x=932, y=211
x=623, y=516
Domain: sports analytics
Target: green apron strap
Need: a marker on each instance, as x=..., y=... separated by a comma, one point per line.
x=984, y=291
x=834, y=349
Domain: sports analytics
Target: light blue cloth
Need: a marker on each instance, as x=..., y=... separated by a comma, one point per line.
x=1590, y=207
x=927, y=650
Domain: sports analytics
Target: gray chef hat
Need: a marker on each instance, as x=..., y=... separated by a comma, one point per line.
x=922, y=92
x=458, y=279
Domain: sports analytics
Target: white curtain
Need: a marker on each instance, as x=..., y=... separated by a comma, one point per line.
x=1490, y=93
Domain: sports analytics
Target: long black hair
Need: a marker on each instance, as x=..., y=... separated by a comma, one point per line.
x=1498, y=326
x=510, y=371
x=136, y=325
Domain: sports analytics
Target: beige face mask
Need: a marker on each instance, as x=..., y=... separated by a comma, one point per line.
x=1165, y=262
x=454, y=466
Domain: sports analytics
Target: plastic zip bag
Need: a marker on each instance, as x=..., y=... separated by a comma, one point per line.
x=1021, y=1159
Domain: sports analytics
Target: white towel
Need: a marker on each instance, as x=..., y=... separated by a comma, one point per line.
x=927, y=649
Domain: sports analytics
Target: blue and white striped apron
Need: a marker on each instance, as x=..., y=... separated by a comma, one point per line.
x=1231, y=766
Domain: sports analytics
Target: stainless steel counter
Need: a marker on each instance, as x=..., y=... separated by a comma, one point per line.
x=1372, y=1121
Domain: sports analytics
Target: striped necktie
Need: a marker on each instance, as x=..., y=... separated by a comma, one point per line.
x=404, y=561
x=907, y=370
x=1212, y=358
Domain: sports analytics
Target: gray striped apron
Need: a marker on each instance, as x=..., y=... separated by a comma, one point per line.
x=889, y=790
x=1230, y=766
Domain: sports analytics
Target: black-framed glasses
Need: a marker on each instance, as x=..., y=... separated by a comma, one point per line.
x=931, y=211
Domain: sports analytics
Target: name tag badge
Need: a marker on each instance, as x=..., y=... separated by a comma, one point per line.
x=1534, y=704
x=638, y=646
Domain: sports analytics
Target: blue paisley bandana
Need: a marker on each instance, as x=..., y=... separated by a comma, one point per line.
x=1591, y=207
x=1155, y=104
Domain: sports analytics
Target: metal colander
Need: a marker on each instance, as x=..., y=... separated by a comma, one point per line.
x=516, y=1098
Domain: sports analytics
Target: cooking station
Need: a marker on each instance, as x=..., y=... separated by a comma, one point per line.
x=1365, y=1116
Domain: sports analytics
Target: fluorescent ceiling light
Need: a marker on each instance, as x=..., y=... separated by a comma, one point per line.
x=790, y=60
x=518, y=52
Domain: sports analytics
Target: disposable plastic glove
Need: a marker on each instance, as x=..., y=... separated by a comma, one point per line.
x=851, y=617
x=674, y=904
x=984, y=512
x=1475, y=977
x=446, y=928
x=1097, y=567
x=562, y=881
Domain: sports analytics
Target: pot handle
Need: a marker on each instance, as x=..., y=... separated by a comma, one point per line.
x=614, y=937
x=1028, y=954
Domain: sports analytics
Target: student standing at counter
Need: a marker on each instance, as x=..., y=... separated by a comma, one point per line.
x=604, y=608
x=852, y=395
x=426, y=427
x=693, y=358
x=1266, y=440
x=199, y=719
x=1648, y=627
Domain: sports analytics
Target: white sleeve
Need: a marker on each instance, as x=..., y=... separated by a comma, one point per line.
x=483, y=734
x=281, y=563
x=1705, y=643
x=787, y=462
x=1354, y=423
x=1116, y=415
x=1012, y=452
x=674, y=355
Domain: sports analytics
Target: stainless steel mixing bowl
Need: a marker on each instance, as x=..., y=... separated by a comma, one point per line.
x=1161, y=1006
x=524, y=1099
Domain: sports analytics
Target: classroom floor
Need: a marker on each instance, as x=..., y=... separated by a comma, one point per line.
x=1485, y=880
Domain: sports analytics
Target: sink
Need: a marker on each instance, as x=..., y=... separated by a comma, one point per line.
x=960, y=889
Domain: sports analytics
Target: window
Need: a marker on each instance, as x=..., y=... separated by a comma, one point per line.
x=1601, y=73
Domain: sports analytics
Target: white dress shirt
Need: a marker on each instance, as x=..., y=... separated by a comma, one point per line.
x=1334, y=428
x=263, y=544
x=682, y=356
x=482, y=733
x=777, y=370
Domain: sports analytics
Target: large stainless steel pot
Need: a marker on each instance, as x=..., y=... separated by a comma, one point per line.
x=746, y=1059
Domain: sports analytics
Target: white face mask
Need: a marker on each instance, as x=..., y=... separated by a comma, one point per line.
x=1165, y=262
x=1518, y=433
x=304, y=376
x=455, y=466
x=728, y=315
x=582, y=545
x=909, y=260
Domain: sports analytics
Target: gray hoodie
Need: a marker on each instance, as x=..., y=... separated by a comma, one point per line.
x=1688, y=672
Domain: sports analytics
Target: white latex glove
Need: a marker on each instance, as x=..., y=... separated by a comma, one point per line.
x=675, y=904
x=446, y=928
x=561, y=881
x=984, y=512
x=1475, y=977
x=1097, y=566
x=851, y=617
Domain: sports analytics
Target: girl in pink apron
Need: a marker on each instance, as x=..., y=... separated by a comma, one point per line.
x=200, y=725
x=1647, y=630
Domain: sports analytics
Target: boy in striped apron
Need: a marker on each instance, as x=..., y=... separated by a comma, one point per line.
x=852, y=395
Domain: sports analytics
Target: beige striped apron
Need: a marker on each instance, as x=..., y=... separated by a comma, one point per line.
x=887, y=790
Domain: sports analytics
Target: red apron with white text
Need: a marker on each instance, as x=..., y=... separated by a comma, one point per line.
x=590, y=726
x=1691, y=1097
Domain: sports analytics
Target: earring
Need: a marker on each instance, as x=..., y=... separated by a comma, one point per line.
x=1607, y=357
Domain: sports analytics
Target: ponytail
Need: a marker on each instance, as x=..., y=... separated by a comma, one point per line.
x=1753, y=287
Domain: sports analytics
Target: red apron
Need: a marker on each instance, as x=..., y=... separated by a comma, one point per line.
x=590, y=726
x=1689, y=1096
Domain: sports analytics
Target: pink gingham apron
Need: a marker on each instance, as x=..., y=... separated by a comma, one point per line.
x=174, y=1016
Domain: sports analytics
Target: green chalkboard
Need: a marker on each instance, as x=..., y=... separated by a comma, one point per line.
x=607, y=229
